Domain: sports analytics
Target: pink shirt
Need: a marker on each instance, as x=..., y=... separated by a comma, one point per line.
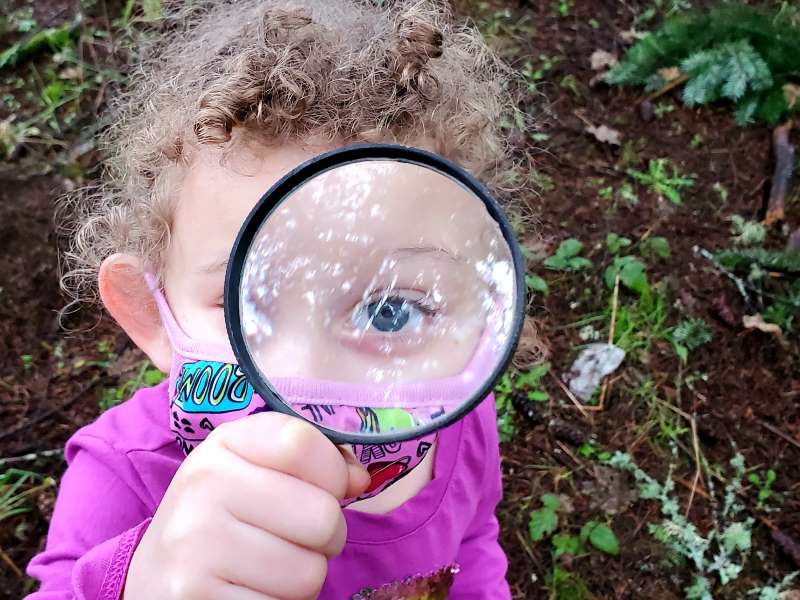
x=121, y=465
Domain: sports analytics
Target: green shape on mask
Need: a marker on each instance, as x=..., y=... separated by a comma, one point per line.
x=393, y=418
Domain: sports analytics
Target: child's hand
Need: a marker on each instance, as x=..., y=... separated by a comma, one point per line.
x=251, y=514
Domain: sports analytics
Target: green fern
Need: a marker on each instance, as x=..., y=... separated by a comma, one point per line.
x=741, y=53
x=783, y=261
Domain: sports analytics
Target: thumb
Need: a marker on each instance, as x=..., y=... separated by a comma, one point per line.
x=358, y=479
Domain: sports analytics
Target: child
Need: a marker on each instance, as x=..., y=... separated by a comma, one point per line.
x=233, y=97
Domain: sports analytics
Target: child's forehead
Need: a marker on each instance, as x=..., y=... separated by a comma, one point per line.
x=219, y=191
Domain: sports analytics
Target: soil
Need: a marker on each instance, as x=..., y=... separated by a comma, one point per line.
x=53, y=379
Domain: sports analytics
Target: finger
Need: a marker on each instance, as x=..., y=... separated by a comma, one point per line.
x=358, y=478
x=270, y=565
x=285, y=506
x=287, y=444
x=231, y=591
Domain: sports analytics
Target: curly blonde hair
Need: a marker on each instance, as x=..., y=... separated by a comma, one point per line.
x=284, y=70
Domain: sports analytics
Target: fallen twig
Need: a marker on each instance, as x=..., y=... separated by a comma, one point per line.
x=779, y=433
x=11, y=564
x=670, y=85
x=44, y=414
x=611, y=331
x=783, y=151
x=578, y=404
x=698, y=470
x=31, y=456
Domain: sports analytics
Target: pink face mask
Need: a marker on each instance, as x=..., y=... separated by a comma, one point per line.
x=208, y=388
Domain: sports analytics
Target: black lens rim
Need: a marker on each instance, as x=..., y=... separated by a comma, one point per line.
x=282, y=189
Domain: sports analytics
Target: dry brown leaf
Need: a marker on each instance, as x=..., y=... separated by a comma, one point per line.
x=791, y=92
x=757, y=322
x=669, y=74
x=790, y=595
x=631, y=35
x=605, y=134
x=601, y=59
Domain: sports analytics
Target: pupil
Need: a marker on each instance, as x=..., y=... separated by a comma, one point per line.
x=391, y=315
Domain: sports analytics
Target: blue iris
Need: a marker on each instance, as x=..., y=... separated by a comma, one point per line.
x=390, y=314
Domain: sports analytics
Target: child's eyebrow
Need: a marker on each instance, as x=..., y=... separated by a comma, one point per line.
x=215, y=267
x=433, y=250
x=221, y=265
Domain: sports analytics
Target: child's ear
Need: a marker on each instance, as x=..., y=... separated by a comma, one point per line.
x=126, y=296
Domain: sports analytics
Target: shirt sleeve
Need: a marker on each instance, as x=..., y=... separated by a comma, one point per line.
x=483, y=562
x=98, y=520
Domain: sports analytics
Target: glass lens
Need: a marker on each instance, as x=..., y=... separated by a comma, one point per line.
x=377, y=297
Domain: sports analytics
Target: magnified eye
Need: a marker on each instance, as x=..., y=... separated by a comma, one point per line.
x=391, y=314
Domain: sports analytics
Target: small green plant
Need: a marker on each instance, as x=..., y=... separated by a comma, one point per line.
x=696, y=141
x=777, y=591
x=570, y=83
x=151, y=9
x=663, y=108
x=655, y=247
x=535, y=283
x=16, y=487
x=641, y=322
x=514, y=389
x=566, y=585
x=747, y=233
x=743, y=54
x=147, y=375
x=722, y=191
x=535, y=73
x=721, y=553
x=632, y=274
x=777, y=297
x=545, y=523
x=615, y=243
x=689, y=335
x=763, y=484
x=562, y=8
x=661, y=182
x=52, y=39
x=567, y=257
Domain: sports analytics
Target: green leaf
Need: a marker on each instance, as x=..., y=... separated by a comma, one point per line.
x=543, y=522
x=536, y=284
x=736, y=537
x=569, y=248
x=153, y=377
x=54, y=39
x=538, y=396
x=602, y=538
x=556, y=263
x=532, y=376
x=615, y=243
x=551, y=501
x=565, y=543
x=656, y=246
x=53, y=93
x=633, y=276
x=151, y=9
x=682, y=352
x=579, y=263
x=784, y=261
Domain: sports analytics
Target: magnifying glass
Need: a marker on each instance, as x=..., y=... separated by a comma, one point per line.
x=376, y=291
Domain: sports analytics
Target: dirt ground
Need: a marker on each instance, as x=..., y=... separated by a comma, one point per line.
x=744, y=397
